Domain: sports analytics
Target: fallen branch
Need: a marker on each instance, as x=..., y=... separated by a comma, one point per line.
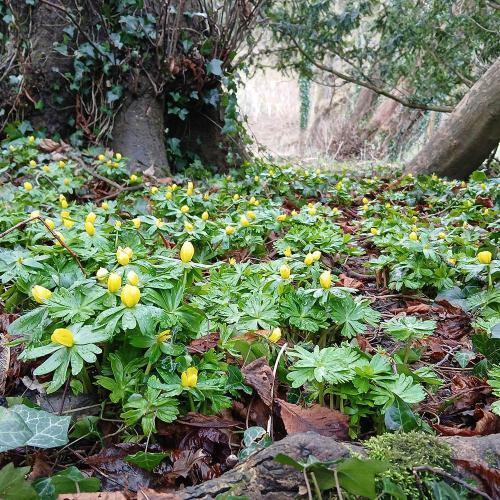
x=93, y=173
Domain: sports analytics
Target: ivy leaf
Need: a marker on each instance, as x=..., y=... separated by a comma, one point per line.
x=400, y=416
x=23, y=426
x=13, y=485
x=214, y=67
x=146, y=460
x=70, y=480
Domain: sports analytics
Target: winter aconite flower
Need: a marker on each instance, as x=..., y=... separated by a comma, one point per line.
x=204, y=215
x=63, y=336
x=40, y=293
x=187, y=252
x=288, y=252
x=101, y=273
x=229, y=230
x=133, y=278
x=484, y=257
x=91, y=217
x=136, y=222
x=316, y=255
x=275, y=335
x=189, y=378
x=413, y=236
x=122, y=257
x=90, y=228
x=308, y=259
x=442, y=235
x=244, y=221
x=28, y=186
x=325, y=280
x=374, y=231
x=114, y=282
x=184, y=209
x=285, y=271
x=130, y=295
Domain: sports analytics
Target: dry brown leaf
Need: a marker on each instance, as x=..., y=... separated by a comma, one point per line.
x=203, y=344
x=207, y=421
x=316, y=418
x=349, y=282
x=106, y=495
x=259, y=376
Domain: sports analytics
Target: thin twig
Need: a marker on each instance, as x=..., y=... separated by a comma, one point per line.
x=93, y=173
x=337, y=484
x=449, y=476
x=308, y=486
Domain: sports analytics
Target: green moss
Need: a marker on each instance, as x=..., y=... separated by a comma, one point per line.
x=405, y=451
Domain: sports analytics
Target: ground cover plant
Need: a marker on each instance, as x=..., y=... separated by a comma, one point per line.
x=140, y=315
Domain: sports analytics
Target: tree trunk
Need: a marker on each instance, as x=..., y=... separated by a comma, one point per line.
x=139, y=133
x=468, y=135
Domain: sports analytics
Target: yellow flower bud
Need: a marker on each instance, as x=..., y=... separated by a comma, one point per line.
x=50, y=223
x=189, y=378
x=252, y=201
x=62, y=164
x=281, y=218
x=204, y=215
x=104, y=205
x=133, y=178
x=325, y=279
x=413, y=236
x=136, y=222
x=288, y=252
x=452, y=261
x=46, y=169
x=168, y=195
x=232, y=261
x=275, y=335
x=68, y=223
x=244, y=221
x=32, y=163
x=256, y=178
x=122, y=257
x=63, y=336
x=308, y=259
x=130, y=295
x=40, y=293
x=34, y=214
x=118, y=156
x=251, y=215
x=66, y=181
x=229, y=230
x=101, y=157
x=159, y=223
x=312, y=211
x=187, y=251
x=60, y=236
x=484, y=257
x=285, y=271
x=365, y=201
x=339, y=185
x=206, y=196
x=154, y=190
x=101, y=274
x=91, y=217
x=133, y=278
x=374, y=231
x=114, y=282
x=31, y=139
x=236, y=197
x=442, y=235
x=89, y=228
x=188, y=226
x=184, y=209
x=28, y=186
x=316, y=255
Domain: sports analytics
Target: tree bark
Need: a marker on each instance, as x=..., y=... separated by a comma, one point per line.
x=468, y=135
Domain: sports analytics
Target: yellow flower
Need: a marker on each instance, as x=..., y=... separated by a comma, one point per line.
x=484, y=257
x=101, y=273
x=228, y=177
x=184, y=209
x=244, y=221
x=122, y=257
x=316, y=255
x=104, y=205
x=442, y=235
x=308, y=259
x=118, y=224
x=188, y=226
x=63, y=336
x=62, y=164
x=365, y=201
x=50, y=223
x=159, y=223
x=31, y=139
x=133, y=278
x=374, y=231
x=154, y=190
x=452, y=261
x=463, y=184
x=335, y=210
x=434, y=177
x=281, y=218
x=413, y=236
x=189, y=378
x=251, y=215
x=256, y=178
x=388, y=205
x=40, y=293
x=133, y=178
x=236, y=197
x=130, y=295
x=163, y=336
x=136, y=222
x=109, y=163
x=114, y=282
x=229, y=230
x=68, y=223
x=89, y=228
x=339, y=185
x=168, y=195
x=285, y=271
x=60, y=236
x=232, y=261
x=91, y=217
x=174, y=186
x=46, y=169
x=325, y=279
x=190, y=186
x=118, y=156
x=187, y=252
x=275, y=335
x=65, y=214
x=32, y=163
x=204, y=215
x=206, y=196
x=35, y=213
x=66, y=181
x=318, y=171
x=101, y=157
x=28, y=186
x=288, y=252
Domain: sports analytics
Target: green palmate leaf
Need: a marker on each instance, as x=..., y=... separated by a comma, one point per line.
x=409, y=327
x=303, y=313
x=23, y=426
x=30, y=325
x=352, y=316
x=358, y=476
x=70, y=480
x=146, y=460
x=13, y=485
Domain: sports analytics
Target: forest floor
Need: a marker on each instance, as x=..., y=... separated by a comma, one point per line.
x=158, y=332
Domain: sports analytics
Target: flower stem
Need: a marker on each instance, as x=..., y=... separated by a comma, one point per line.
x=191, y=403
x=85, y=379
x=321, y=394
